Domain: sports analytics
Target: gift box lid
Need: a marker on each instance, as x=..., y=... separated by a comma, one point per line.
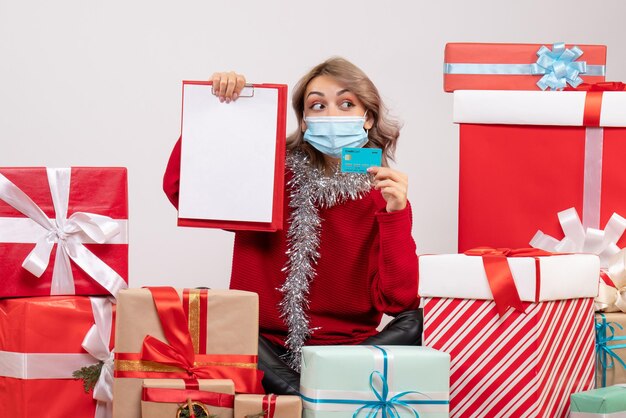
x=537, y=279
x=603, y=400
x=560, y=108
x=508, y=66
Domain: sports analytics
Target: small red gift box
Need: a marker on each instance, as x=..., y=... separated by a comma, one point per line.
x=43, y=341
x=63, y=231
x=485, y=66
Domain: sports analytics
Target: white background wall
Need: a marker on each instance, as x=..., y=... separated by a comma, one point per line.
x=85, y=82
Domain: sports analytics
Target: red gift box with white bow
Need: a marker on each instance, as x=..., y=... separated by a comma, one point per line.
x=543, y=166
x=63, y=231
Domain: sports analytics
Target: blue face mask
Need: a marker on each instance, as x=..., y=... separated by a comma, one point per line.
x=329, y=134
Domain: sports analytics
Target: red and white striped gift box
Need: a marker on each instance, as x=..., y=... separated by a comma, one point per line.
x=523, y=364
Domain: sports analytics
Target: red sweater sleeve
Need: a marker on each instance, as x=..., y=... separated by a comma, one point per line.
x=171, y=178
x=394, y=263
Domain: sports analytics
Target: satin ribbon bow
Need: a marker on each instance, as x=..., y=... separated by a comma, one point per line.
x=386, y=406
x=96, y=343
x=65, y=233
x=558, y=66
x=179, y=352
x=499, y=274
x=578, y=240
x=612, y=290
x=603, y=349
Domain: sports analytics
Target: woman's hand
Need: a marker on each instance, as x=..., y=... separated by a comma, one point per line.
x=228, y=85
x=393, y=185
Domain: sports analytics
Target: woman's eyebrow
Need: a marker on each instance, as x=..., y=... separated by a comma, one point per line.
x=319, y=93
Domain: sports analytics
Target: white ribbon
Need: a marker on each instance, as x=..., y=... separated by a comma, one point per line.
x=42, y=365
x=96, y=343
x=593, y=241
x=613, y=299
x=578, y=240
x=66, y=234
x=592, y=183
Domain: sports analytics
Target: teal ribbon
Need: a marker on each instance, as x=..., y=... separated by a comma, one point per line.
x=605, y=355
x=388, y=407
x=559, y=67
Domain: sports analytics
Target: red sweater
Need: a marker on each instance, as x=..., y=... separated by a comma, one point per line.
x=367, y=266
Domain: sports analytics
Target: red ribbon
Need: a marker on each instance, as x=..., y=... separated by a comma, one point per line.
x=220, y=400
x=593, y=99
x=179, y=352
x=604, y=276
x=499, y=274
x=269, y=405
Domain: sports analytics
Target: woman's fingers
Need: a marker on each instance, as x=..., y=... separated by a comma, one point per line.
x=239, y=85
x=227, y=85
x=384, y=184
x=230, y=86
x=393, y=186
x=382, y=173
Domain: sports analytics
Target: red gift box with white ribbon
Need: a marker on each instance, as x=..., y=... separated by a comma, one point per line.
x=43, y=341
x=63, y=231
x=526, y=156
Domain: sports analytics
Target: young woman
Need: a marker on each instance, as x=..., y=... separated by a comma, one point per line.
x=345, y=255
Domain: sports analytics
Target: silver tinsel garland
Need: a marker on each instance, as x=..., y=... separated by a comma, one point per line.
x=309, y=189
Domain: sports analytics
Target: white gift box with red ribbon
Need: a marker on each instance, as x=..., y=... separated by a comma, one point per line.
x=525, y=361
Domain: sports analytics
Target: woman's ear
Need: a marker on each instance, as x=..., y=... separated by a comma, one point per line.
x=369, y=122
x=303, y=126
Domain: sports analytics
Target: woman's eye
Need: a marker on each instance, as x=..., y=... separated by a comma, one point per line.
x=317, y=106
x=347, y=104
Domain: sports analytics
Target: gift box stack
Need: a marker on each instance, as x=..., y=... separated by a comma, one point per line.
x=517, y=321
x=184, y=350
x=64, y=252
x=64, y=301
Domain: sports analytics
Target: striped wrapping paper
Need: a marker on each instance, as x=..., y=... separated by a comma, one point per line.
x=522, y=365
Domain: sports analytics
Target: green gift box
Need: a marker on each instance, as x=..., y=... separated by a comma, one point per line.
x=608, y=402
x=338, y=381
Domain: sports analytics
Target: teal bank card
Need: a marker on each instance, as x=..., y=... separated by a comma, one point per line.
x=357, y=160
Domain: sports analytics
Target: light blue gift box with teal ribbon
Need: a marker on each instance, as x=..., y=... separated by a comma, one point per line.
x=374, y=381
x=608, y=402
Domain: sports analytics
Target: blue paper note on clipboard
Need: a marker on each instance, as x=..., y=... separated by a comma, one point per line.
x=357, y=160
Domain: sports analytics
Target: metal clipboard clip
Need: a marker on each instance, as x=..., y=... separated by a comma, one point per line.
x=247, y=91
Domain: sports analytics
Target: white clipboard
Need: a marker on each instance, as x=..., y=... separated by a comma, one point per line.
x=233, y=158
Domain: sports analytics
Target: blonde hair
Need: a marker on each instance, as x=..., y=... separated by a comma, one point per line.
x=384, y=132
